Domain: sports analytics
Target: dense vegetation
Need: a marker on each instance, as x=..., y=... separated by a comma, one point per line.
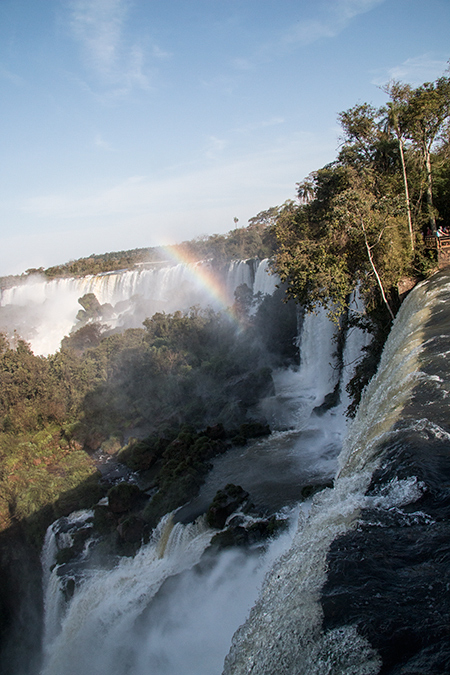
x=99, y=389
x=360, y=222
x=361, y=219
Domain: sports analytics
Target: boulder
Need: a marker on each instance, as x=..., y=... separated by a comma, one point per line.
x=131, y=529
x=123, y=497
x=225, y=503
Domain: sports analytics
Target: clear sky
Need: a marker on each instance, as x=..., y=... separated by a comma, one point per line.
x=133, y=123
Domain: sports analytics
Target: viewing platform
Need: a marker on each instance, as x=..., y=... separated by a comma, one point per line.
x=441, y=244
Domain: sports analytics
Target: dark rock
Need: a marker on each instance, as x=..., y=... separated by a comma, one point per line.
x=331, y=400
x=264, y=529
x=68, y=588
x=131, y=529
x=232, y=536
x=123, y=497
x=310, y=490
x=225, y=503
x=237, y=533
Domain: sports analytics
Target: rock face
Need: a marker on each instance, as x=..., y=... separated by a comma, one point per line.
x=225, y=503
x=131, y=529
x=20, y=604
x=239, y=533
x=123, y=497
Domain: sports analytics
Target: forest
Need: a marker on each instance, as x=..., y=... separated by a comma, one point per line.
x=362, y=219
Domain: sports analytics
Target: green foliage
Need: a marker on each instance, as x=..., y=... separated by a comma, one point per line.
x=199, y=368
x=183, y=465
x=359, y=219
x=37, y=468
x=29, y=392
x=180, y=368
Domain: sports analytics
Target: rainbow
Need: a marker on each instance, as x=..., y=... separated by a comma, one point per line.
x=202, y=274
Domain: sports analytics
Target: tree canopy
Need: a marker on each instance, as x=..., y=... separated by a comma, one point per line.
x=361, y=219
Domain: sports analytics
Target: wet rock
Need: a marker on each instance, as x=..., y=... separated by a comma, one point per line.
x=123, y=497
x=225, y=503
x=309, y=491
x=131, y=529
x=241, y=533
x=331, y=400
x=232, y=536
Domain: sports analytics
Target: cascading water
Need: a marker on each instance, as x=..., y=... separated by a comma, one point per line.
x=44, y=311
x=362, y=589
x=319, y=373
x=356, y=586
x=172, y=608
x=162, y=611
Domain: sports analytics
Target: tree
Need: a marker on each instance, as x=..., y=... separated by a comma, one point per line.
x=309, y=258
x=425, y=119
x=374, y=228
x=396, y=109
x=361, y=132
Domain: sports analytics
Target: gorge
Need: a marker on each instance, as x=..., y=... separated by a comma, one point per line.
x=354, y=584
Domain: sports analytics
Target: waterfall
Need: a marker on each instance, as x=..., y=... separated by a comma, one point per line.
x=265, y=282
x=175, y=606
x=44, y=311
x=161, y=611
x=362, y=584
x=318, y=365
x=357, y=583
x=59, y=536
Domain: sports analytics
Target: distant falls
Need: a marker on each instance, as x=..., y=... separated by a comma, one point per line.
x=44, y=311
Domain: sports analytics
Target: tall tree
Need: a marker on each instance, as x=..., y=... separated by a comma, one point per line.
x=396, y=112
x=425, y=118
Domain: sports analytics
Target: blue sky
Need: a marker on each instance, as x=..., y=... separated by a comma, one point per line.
x=133, y=123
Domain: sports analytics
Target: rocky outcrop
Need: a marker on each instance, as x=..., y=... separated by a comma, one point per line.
x=225, y=503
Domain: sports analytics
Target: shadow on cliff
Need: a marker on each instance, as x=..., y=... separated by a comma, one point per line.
x=21, y=595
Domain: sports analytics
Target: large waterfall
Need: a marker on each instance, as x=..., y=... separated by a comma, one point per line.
x=363, y=588
x=357, y=584
x=44, y=311
x=175, y=606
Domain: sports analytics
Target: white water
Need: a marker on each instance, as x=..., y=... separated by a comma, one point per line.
x=157, y=612
x=160, y=613
x=45, y=311
x=283, y=634
x=319, y=373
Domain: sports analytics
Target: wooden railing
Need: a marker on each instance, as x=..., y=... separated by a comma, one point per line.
x=439, y=243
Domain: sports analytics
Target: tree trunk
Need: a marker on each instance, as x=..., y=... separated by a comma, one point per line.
x=430, y=208
x=375, y=271
x=405, y=183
